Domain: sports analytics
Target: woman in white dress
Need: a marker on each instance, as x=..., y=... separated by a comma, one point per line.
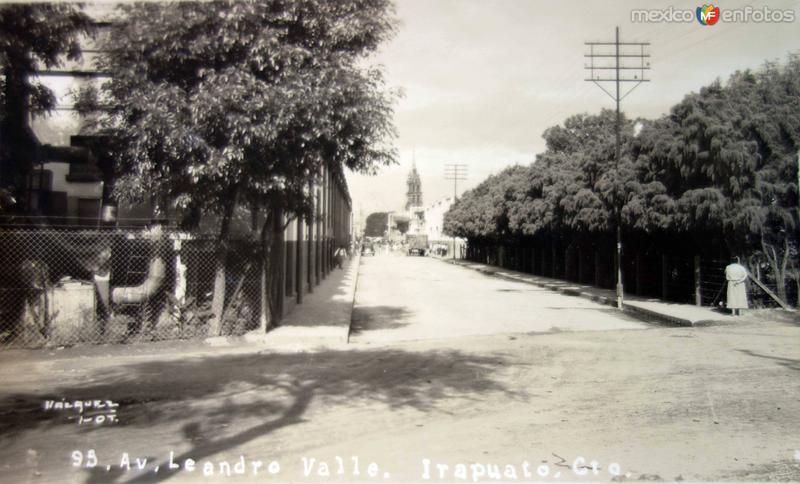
x=736, y=275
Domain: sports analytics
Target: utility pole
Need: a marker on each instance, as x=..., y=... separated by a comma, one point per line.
x=455, y=172
x=623, y=69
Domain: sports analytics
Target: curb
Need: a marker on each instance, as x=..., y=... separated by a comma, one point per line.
x=257, y=337
x=633, y=310
x=353, y=302
x=656, y=317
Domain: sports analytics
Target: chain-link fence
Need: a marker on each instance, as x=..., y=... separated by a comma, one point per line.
x=62, y=287
x=709, y=284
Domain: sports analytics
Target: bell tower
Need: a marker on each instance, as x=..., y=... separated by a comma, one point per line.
x=414, y=193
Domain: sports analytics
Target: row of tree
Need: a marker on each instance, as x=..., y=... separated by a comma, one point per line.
x=216, y=105
x=721, y=166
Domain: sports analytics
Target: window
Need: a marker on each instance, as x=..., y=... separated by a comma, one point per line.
x=88, y=209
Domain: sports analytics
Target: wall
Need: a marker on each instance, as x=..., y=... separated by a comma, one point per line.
x=305, y=250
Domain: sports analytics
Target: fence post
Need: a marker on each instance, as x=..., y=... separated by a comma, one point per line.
x=698, y=295
x=639, y=265
x=263, y=310
x=597, y=268
x=310, y=258
x=664, y=277
x=298, y=267
x=279, y=268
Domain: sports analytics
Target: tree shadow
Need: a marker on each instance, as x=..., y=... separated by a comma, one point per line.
x=368, y=318
x=787, y=362
x=274, y=390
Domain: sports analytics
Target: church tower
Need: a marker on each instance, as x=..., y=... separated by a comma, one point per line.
x=414, y=194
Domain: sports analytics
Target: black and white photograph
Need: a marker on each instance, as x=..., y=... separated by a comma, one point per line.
x=399, y=241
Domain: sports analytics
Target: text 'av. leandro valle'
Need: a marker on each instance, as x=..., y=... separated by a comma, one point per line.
x=348, y=467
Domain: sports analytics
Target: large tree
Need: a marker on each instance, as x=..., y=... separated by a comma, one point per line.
x=574, y=186
x=725, y=160
x=376, y=224
x=722, y=166
x=32, y=36
x=219, y=104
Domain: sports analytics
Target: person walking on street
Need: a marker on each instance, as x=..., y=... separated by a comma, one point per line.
x=338, y=257
x=736, y=275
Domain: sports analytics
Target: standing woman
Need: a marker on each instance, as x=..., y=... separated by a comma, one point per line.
x=736, y=275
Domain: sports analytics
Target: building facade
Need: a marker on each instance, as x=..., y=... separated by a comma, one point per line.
x=303, y=255
x=440, y=242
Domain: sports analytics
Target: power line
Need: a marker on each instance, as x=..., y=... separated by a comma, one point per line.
x=618, y=73
x=455, y=172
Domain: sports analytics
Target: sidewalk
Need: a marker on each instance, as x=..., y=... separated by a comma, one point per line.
x=324, y=315
x=656, y=310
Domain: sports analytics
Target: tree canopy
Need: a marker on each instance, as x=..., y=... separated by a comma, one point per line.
x=723, y=163
x=215, y=102
x=376, y=224
x=32, y=36
x=214, y=105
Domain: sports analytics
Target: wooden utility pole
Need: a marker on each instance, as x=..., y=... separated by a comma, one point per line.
x=455, y=172
x=622, y=70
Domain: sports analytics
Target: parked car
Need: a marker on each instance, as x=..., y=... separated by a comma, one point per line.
x=367, y=250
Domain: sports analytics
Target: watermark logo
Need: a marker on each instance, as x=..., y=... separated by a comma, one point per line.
x=707, y=14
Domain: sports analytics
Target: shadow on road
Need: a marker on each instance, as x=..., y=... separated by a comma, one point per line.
x=366, y=318
x=201, y=395
x=787, y=362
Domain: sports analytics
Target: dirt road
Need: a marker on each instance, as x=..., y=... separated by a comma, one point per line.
x=716, y=403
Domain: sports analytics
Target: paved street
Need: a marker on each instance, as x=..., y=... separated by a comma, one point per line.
x=410, y=298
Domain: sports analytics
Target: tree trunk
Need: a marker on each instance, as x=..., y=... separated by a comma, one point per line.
x=779, y=269
x=218, y=298
x=272, y=282
x=778, y=265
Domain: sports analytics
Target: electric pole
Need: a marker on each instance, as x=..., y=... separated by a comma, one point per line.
x=630, y=65
x=455, y=172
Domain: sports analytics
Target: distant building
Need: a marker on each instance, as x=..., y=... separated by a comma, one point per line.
x=441, y=243
x=434, y=218
x=414, y=193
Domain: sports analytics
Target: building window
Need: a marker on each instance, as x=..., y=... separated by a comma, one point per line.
x=41, y=180
x=88, y=210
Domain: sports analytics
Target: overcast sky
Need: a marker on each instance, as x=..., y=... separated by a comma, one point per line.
x=483, y=79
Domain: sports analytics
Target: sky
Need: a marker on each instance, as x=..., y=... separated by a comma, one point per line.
x=483, y=79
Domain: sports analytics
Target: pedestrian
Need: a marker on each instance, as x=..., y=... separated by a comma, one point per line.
x=736, y=275
x=338, y=257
